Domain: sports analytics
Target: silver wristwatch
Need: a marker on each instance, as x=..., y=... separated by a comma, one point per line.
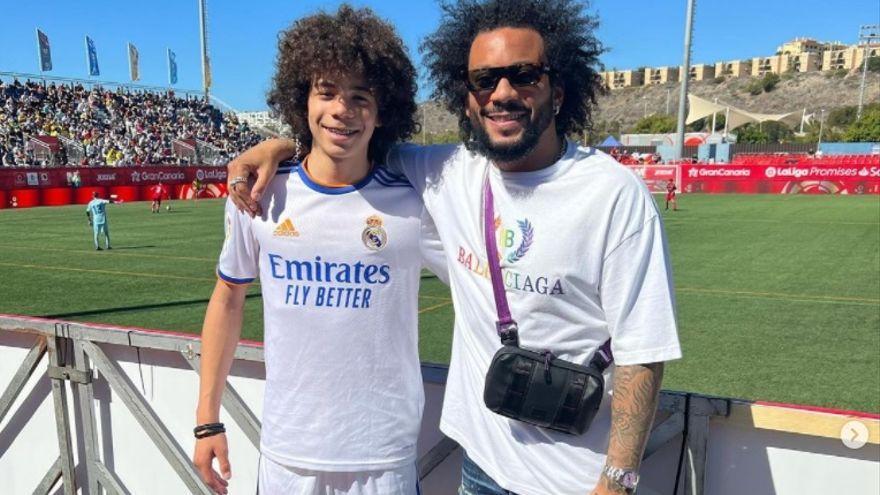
x=624, y=478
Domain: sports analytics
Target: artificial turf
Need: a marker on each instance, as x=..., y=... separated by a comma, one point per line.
x=778, y=295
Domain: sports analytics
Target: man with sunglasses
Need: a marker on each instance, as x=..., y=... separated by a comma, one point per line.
x=581, y=243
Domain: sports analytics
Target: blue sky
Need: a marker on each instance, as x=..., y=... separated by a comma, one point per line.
x=243, y=34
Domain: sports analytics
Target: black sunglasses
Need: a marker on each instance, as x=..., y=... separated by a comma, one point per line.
x=519, y=75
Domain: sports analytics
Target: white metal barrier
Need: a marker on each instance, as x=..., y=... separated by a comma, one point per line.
x=123, y=406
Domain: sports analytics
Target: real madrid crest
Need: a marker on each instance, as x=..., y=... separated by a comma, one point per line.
x=374, y=235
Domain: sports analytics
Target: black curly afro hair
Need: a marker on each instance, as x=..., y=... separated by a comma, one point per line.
x=571, y=50
x=349, y=41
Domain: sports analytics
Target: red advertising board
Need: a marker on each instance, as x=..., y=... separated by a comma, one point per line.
x=23, y=178
x=780, y=179
x=22, y=187
x=656, y=176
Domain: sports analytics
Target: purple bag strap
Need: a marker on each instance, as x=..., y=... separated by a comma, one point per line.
x=505, y=325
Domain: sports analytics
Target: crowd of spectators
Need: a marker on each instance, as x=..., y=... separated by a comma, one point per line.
x=112, y=127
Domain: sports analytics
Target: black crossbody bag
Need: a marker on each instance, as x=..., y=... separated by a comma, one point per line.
x=534, y=386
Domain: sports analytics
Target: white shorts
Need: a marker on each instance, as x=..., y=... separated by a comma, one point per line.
x=277, y=479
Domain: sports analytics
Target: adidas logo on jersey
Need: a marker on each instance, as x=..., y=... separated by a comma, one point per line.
x=286, y=229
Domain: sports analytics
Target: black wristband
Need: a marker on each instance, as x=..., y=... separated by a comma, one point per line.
x=208, y=433
x=208, y=430
x=207, y=426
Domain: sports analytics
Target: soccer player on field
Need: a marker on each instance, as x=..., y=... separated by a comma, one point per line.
x=339, y=260
x=670, y=195
x=97, y=215
x=156, y=194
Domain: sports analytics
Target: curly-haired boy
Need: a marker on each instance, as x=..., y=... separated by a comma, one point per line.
x=339, y=261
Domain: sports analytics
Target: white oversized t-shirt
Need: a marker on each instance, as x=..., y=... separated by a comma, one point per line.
x=583, y=258
x=339, y=270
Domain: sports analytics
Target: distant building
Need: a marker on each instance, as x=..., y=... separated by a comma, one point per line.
x=661, y=75
x=623, y=78
x=848, y=59
x=798, y=46
x=734, y=68
x=767, y=65
x=797, y=55
x=802, y=62
x=700, y=72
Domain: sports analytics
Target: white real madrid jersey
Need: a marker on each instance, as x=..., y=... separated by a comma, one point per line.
x=339, y=270
x=583, y=258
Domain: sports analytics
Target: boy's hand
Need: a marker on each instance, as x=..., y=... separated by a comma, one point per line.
x=206, y=450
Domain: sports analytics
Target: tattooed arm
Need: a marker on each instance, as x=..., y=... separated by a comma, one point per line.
x=633, y=405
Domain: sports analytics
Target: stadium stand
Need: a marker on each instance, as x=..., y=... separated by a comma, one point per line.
x=57, y=125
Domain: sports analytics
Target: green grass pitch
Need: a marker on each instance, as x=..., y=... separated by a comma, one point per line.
x=778, y=296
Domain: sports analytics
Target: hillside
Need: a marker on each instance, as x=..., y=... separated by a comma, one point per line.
x=623, y=107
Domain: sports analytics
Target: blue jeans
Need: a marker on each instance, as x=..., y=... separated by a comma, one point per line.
x=474, y=481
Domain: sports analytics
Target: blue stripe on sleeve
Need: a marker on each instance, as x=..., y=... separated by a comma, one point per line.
x=233, y=280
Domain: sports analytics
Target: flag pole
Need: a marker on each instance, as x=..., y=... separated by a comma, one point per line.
x=203, y=36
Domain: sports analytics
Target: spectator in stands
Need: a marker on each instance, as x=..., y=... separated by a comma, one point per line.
x=8, y=158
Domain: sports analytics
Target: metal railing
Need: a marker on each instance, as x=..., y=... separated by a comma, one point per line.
x=74, y=150
x=90, y=83
x=76, y=352
x=207, y=152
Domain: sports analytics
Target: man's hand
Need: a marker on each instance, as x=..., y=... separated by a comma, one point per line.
x=206, y=450
x=261, y=162
x=606, y=487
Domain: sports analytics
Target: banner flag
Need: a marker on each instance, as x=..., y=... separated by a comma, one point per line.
x=133, y=67
x=172, y=68
x=92, y=56
x=44, y=51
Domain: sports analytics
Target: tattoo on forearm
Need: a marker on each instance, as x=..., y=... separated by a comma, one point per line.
x=634, y=403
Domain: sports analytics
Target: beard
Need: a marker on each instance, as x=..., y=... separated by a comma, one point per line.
x=481, y=142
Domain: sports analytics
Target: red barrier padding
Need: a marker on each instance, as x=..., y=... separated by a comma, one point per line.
x=656, y=176
x=4, y=200
x=126, y=193
x=56, y=196
x=55, y=186
x=20, y=178
x=84, y=194
x=24, y=198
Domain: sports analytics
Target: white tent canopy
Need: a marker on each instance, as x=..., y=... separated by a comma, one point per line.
x=700, y=108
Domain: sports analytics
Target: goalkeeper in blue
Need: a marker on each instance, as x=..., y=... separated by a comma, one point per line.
x=96, y=211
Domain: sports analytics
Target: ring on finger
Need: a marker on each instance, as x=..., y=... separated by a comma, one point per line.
x=236, y=181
